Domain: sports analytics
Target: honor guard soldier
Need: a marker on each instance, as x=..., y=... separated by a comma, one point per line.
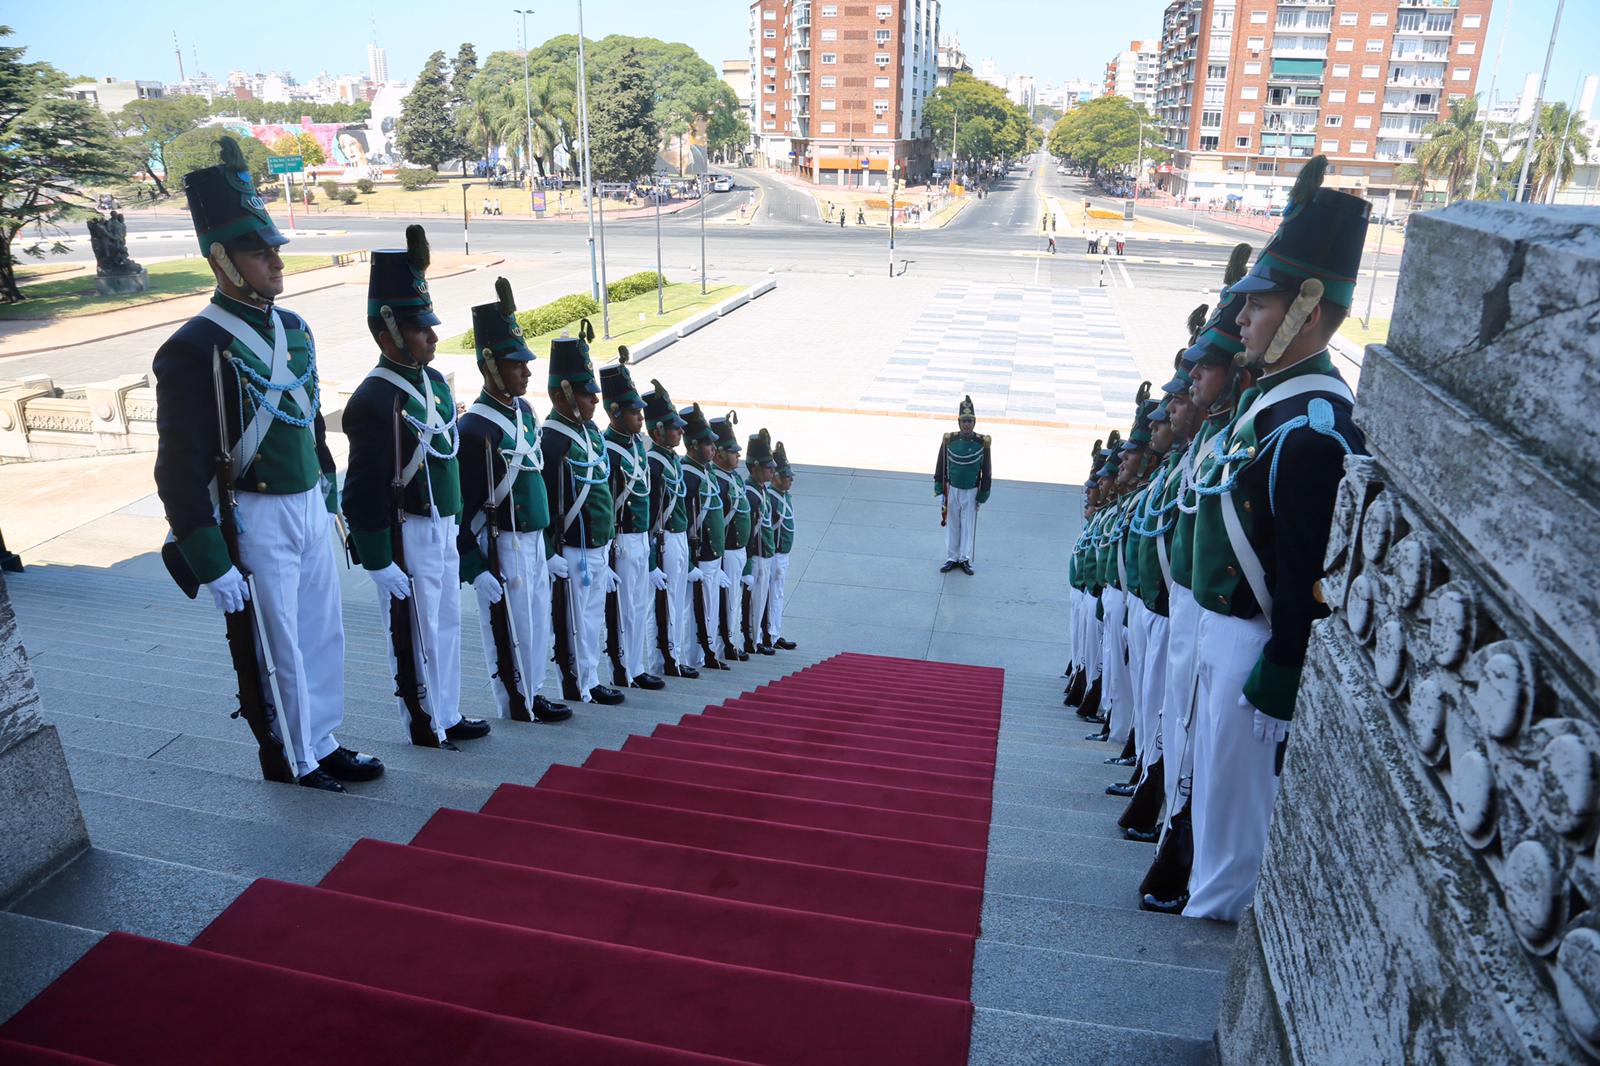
x=707, y=536
x=763, y=543
x=506, y=513
x=782, y=508
x=1262, y=529
x=403, y=496
x=736, y=512
x=669, y=536
x=577, y=477
x=247, y=483
x=961, y=477
x=639, y=575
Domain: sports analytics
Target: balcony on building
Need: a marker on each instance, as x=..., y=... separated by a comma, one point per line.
x=802, y=15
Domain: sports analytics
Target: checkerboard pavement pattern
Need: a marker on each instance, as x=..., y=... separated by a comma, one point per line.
x=1020, y=351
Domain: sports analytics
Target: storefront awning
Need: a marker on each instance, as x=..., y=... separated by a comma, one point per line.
x=1297, y=68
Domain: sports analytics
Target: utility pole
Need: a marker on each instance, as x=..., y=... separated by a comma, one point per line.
x=466, y=241
x=1494, y=77
x=1138, y=167
x=588, y=175
x=527, y=102
x=894, y=191
x=661, y=307
x=702, y=185
x=1538, y=103
x=605, y=287
x=1561, y=156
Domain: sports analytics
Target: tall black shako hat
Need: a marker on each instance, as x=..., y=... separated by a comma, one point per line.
x=1314, y=255
x=758, y=451
x=1108, y=455
x=782, y=459
x=1218, y=342
x=966, y=410
x=1139, y=434
x=495, y=331
x=658, y=409
x=570, y=369
x=727, y=441
x=696, y=430
x=616, y=385
x=397, y=285
x=228, y=214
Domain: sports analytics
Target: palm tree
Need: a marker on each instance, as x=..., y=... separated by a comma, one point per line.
x=1558, y=148
x=1451, y=145
x=479, y=114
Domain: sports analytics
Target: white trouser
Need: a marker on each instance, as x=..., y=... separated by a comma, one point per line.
x=1114, y=664
x=284, y=543
x=586, y=612
x=960, y=525
x=776, y=594
x=527, y=583
x=733, y=565
x=1135, y=636
x=1093, y=641
x=761, y=572
x=1151, y=681
x=1235, y=775
x=1075, y=656
x=680, y=633
x=635, y=599
x=710, y=592
x=1178, y=694
x=435, y=569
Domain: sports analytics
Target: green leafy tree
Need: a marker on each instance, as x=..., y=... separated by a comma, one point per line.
x=198, y=148
x=260, y=112
x=975, y=139
x=479, y=119
x=54, y=148
x=462, y=73
x=426, y=133
x=149, y=126
x=622, y=124
x=301, y=144
x=1558, y=146
x=965, y=100
x=555, y=105
x=1452, y=145
x=727, y=123
x=1104, y=134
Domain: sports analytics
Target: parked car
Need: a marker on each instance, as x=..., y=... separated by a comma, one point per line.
x=721, y=183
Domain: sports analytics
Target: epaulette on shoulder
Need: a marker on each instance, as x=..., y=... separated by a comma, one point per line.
x=948, y=437
x=985, y=438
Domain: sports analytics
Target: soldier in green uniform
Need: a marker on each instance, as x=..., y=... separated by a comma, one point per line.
x=638, y=574
x=763, y=543
x=1077, y=673
x=401, y=421
x=1102, y=496
x=1261, y=531
x=263, y=359
x=736, y=511
x=501, y=471
x=577, y=478
x=781, y=504
x=669, y=523
x=707, y=536
x=961, y=477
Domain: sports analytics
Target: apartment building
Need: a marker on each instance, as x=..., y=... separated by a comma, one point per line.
x=1132, y=72
x=1249, y=89
x=839, y=88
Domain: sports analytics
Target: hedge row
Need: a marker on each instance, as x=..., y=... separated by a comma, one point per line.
x=550, y=317
x=626, y=288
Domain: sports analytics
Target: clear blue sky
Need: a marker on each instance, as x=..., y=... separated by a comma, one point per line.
x=1051, y=39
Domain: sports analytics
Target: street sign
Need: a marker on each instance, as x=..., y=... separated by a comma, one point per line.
x=285, y=164
x=865, y=162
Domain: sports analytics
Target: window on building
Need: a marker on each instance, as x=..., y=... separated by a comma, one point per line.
x=1362, y=122
x=1210, y=119
x=1216, y=71
x=1344, y=44
x=1467, y=48
x=1358, y=147
x=1222, y=19
x=1366, y=96
x=1460, y=74
x=770, y=88
x=1348, y=18
x=1256, y=44
x=1369, y=71
x=830, y=35
x=880, y=105
x=880, y=127
x=1380, y=18
x=1333, y=122
x=1336, y=96
x=1241, y=142
x=1209, y=142
x=882, y=59
x=827, y=127
x=771, y=109
x=1439, y=22
x=769, y=35
x=882, y=37
x=830, y=57
x=1249, y=92
x=771, y=72
x=1330, y=146
x=829, y=81
x=769, y=16
x=1252, y=68
x=1258, y=16
x=829, y=10
x=1471, y=22
x=1214, y=93
x=1341, y=70
x=1375, y=44
x=830, y=105
x=1245, y=118
x=880, y=82
x=885, y=11
x=771, y=125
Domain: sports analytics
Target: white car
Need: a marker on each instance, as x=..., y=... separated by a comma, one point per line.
x=721, y=183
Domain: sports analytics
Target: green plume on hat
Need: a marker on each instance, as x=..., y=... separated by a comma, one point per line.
x=231, y=154
x=417, y=249
x=1143, y=394
x=623, y=354
x=1309, y=181
x=1197, y=321
x=1238, y=263
x=502, y=287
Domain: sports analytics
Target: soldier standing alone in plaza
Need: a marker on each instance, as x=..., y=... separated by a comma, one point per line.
x=961, y=476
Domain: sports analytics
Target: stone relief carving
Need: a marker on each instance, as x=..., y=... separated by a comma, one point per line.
x=1514, y=747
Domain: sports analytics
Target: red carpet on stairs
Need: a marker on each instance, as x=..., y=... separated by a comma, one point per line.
x=793, y=877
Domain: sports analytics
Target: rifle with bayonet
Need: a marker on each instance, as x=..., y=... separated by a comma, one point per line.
x=561, y=602
x=404, y=623
x=660, y=509
x=501, y=624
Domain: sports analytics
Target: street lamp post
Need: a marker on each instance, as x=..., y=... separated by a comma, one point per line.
x=702, y=186
x=1538, y=103
x=466, y=241
x=894, y=191
x=588, y=175
x=605, y=287
x=1483, y=133
x=527, y=102
x=661, y=307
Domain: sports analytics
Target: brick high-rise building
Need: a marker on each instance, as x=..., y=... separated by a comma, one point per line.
x=1249, y=89
x=1132, y=73
x=837, y=83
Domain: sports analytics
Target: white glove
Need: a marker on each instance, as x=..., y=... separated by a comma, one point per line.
x=695, y=575
x=488, y=587
x=724, y=580
x=748, y=581
x=613, y=582
x=557, y=567
x=392, y=580
x=229, y=591
x=1268, y=729
x=658, y=578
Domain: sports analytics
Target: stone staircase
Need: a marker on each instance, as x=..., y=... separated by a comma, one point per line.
x=136, y=680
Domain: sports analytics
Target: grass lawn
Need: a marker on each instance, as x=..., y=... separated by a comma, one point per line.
x=681, y=300
x=443, y=198
x=1375, y=332
x=70, y=297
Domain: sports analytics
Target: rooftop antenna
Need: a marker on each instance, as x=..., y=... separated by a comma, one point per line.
x=177, y=50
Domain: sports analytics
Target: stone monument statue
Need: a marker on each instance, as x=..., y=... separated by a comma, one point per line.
x=1431, y=891
x=114, y=271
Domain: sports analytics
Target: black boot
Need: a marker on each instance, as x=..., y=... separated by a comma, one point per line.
x=545, y=711
x=785, y=644
x=1141, y=820
x=1089, y=706
x=1077, y=687
x=1165, y=886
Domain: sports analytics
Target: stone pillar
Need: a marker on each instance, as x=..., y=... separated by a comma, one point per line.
x=1432, y=890
x=41, y=826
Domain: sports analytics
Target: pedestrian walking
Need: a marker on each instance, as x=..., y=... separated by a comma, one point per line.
x=1121, y=243
x=841, y=218
x=861, y=217
x=1052, y=243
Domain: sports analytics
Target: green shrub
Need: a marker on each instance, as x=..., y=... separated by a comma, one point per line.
x=307, y=195
x=347, y=196
x=550, y=317
x=365, y=185
x=414, y=178
x=625, y=288
x=330, y=188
